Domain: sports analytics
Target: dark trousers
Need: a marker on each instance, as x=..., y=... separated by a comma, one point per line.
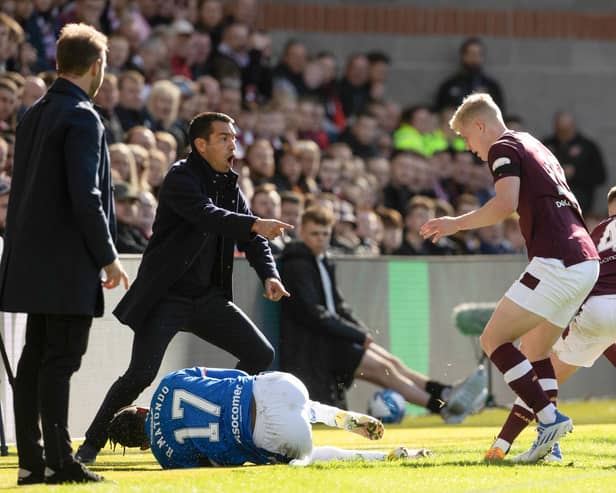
x=212, y=318
x=52, y=353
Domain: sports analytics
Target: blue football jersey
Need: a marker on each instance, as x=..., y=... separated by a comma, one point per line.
x=195, y=417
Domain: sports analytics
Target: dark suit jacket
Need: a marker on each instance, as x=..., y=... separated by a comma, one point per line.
x=188, y=221
x=60, y=220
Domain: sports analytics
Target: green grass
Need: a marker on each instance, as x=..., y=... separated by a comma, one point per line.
x=590, y=463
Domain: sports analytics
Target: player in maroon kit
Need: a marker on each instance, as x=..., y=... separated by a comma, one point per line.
x=563, y=264
x=591, y=333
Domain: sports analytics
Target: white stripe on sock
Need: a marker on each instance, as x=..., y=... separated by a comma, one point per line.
x=518, y=371
x=521, y=403
x=548, y=383
x=504, y=445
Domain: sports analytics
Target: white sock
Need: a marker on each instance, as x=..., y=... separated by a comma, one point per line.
x=547, y=414
x=322, y=413
x=504, y=445
x=324, y=454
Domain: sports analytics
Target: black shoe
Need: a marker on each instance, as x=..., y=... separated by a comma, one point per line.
x=86, y=454
x=73, y=472
x=26, y=477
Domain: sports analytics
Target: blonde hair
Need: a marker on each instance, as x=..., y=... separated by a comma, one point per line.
x=611, y=195
x=474, y=105
x=165, y=88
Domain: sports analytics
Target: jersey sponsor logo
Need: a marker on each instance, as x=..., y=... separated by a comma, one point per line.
x=236, y=413
x=562, y=203
x=499, y=162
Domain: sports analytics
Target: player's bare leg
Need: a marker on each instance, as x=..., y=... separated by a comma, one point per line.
x=416, y=377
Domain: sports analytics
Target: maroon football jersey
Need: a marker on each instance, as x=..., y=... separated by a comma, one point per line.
x=550, y=217
x=604, y=236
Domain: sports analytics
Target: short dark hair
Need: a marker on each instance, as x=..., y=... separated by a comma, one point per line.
x=474, y=40
x=292, y=197
x=318, y=215
x=378, y=57
x=78, y=48
x=200, y=127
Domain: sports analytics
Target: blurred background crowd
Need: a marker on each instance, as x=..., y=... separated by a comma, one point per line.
x=312, y=128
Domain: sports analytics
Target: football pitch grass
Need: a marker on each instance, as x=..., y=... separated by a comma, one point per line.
x=457, y=466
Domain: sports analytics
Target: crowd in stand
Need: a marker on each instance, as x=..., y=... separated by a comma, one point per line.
x=311, y=129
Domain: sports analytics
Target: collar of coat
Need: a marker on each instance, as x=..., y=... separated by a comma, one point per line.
x=196, y=162
x=65, y=86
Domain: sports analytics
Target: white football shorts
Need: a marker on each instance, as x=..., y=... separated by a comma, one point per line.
x=591, y=332
x=282, y=424
x=553, y=291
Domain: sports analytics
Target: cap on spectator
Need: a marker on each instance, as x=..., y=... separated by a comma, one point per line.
x=182, y=26
x=5, y=187
x=345, y=213
x=123, y=191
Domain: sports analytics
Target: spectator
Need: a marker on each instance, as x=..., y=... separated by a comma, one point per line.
x=420, y=210
x=377, y=73
x=33, y=90
x=354, y=87
x=210, y=19
x=157, y=169
x=162, y=107
x=361, y=136
x=415, y=131
x=129, y=238
x=123, y=166
x=322, y=342
x=244, y=11
x=492, y=240
x=289, y=74
x=146, y=212
x=142, y=163
x=309, y=157
x=408, y=178
x=119, y=54
x=344, y=239
x=370, y=232
x=166, y=142
x=580, y=157
x=260, y=160
x=8, y=105
x=11, y=37
x=330, y=172
x=467, y=241
x=392, y=230
x=130, y=109
x=290, y=174
x=230, y=102
x=199, y=54
x=311, y=115
x=513, y=234
x=291, y=210
x=265, y=203
x=181, y=32
x=379, y=167
x=469, y=79
x=40, y=28
x=152, y=59
x=141, y=136
x=106, y=102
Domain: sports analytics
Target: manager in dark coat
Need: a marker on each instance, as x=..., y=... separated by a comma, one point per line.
x=184, y=281
x=59, y=236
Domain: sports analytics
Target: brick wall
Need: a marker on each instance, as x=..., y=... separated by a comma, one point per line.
x=407, y=20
